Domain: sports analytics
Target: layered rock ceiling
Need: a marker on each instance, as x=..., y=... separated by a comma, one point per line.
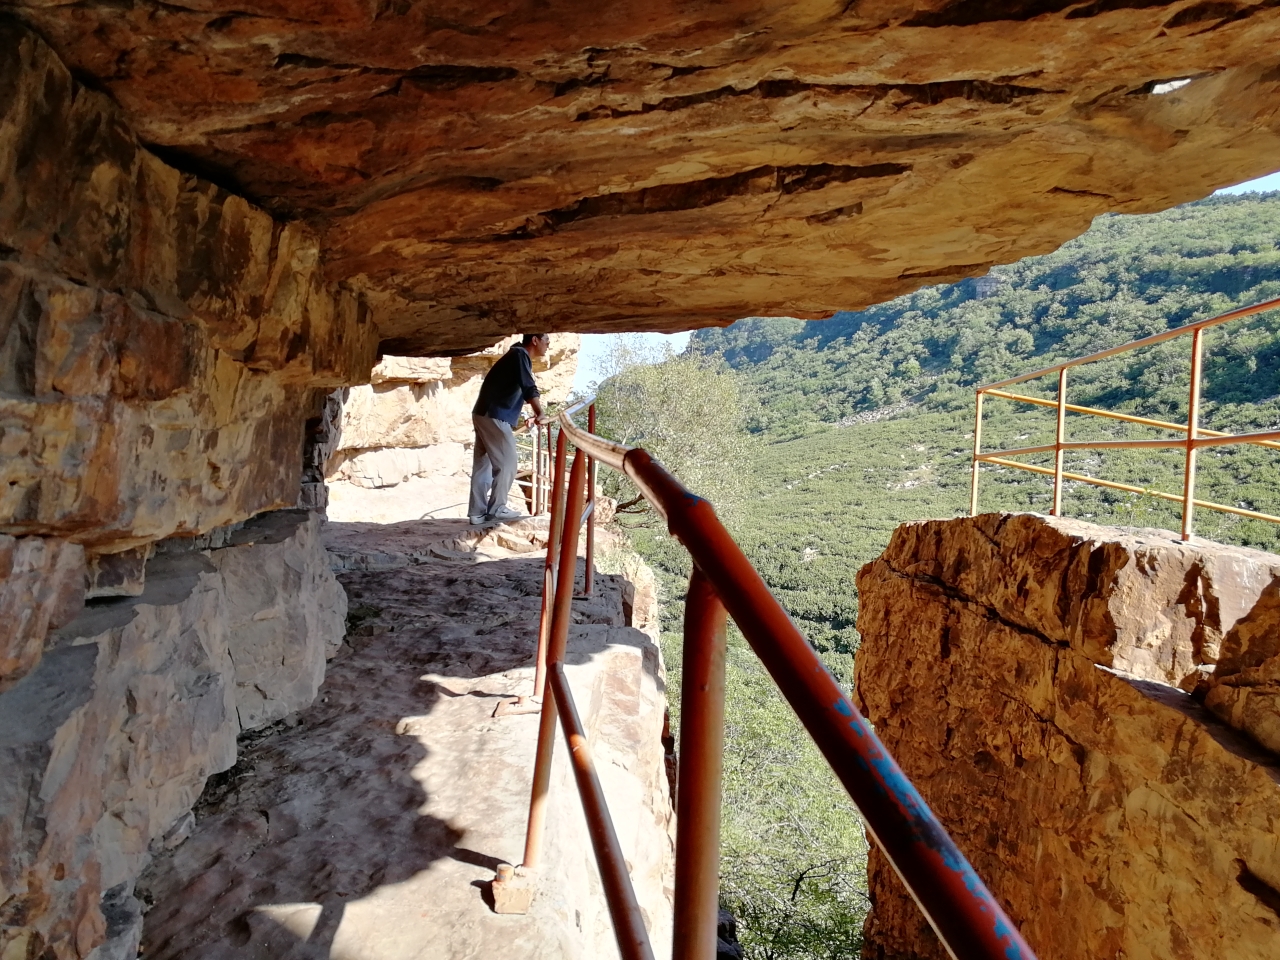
x=474, y=169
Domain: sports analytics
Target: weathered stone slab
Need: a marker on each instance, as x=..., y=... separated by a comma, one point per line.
x=285, y=614
x=119, y=574
x=1023, y=672
x=106, y=741
x=42, y=585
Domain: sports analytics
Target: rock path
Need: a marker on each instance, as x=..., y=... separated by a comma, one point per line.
x=367, y=826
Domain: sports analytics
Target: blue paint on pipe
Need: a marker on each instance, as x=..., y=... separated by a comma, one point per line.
x=925, y=828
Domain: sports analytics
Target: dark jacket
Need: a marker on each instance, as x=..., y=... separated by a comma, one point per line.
x=507, y=387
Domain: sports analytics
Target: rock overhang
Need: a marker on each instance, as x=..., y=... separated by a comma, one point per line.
x=480, y=169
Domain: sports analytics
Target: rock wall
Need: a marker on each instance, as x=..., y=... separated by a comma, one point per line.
x=160, y=338
x=163, y=345
x=1091, y=713
x=402, y=444
x=107, y=742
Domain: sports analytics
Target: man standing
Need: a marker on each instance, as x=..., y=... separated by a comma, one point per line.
x=507, y=387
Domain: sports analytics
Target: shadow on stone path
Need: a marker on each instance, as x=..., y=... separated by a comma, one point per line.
x=368, y=825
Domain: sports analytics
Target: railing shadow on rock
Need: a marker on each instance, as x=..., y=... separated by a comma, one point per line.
x=1195, y=439
x=967, y=919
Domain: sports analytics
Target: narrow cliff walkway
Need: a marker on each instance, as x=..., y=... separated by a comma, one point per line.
x=367, y=826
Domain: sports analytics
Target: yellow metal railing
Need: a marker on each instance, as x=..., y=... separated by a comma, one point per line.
x=1195, y=437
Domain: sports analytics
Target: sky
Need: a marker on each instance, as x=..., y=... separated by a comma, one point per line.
x=595, y=346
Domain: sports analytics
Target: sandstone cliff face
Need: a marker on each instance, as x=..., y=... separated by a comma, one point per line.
x=403, y=444
x=1024, y=672
x=480, y=168
x=163, y=343
x=106, y=743
x=159, y=337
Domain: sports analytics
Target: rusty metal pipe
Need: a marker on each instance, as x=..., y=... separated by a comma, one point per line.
x=548, y=569
x=697, y=900
x=1130, y=418
x=558, y=636
x=624, y=909
x=590, y=575
x=955, y=901
x=1059, y=443
x=535, y=507
x=977, y=452
x=1131, y=488
x=1193, y=421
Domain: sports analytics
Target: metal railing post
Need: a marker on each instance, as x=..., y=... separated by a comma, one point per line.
x=1193, y=421
x=536, y=505
x=619, y=893
x=554, y=535
x=1058, y=452
x=697, y=899
x=590, y=574
x=558, y=637
x=523, y=704
x=549, y=461
x=977, y=450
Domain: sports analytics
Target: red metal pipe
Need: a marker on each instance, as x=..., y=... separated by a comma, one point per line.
x=624, y=909
x=697, y=900
x=966, y=917
x=557, y=638
x=535, y=507
x=590, y=575
x=549, y=566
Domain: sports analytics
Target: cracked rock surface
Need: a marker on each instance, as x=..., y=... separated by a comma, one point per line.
x=1088, y=711
x=475, y=168
x=369, y=825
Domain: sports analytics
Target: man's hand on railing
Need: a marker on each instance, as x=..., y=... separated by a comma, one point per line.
x=530, y=422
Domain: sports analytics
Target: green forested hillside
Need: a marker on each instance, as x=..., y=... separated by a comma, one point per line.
x=1126, y=278
x=865, y=420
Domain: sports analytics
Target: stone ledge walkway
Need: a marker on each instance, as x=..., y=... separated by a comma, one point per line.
x=367, y=826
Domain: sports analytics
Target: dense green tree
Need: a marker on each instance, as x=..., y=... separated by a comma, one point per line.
x=686, y=411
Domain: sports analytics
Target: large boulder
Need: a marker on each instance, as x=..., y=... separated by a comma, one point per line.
x=1044, y=683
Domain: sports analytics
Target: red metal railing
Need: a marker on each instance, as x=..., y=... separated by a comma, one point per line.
x=548, y=496
x=957, y=904
x=1195, y=437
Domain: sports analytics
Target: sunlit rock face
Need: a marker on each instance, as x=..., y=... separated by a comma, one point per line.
x=1091, y=713
x=163, y=345
x=480, y=167
x=161, y=339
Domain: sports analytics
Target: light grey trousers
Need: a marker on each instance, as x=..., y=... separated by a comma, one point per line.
x=493, y=465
